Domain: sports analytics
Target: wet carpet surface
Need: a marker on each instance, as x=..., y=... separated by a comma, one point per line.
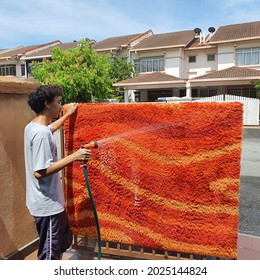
x=164, y=176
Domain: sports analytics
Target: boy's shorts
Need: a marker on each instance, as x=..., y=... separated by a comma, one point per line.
x=55, y=236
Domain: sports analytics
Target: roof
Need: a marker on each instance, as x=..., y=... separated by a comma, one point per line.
x=172, y=39
x=236, y=32
x=47, y=52
x=196, y=44
x=150, y=78
x=229, y=73
x=21, y=51
x=16, y=51
x=161, y=79
x=115, y=42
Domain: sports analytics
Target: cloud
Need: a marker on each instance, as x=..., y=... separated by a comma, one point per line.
x=62, y=19
x=29, y=22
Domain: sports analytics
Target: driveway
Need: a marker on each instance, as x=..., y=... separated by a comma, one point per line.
x=250, y=183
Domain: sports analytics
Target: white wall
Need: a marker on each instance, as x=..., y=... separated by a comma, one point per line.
x=174, y=62
x=226, y=56
x=201, y=66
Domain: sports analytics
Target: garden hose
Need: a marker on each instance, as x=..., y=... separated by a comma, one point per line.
x=94, y=210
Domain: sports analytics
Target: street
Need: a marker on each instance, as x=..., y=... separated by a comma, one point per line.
x=249, y=209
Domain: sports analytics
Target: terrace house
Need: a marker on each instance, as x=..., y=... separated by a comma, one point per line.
x=187, y=64
x=12, y=62
x=192, y=64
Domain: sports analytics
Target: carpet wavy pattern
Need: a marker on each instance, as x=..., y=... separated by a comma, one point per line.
x=165, y=176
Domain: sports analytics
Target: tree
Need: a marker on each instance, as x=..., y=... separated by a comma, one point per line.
x=121, y=70
x=81, y=72
x=256, y=84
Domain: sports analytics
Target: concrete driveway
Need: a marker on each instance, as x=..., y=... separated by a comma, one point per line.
x=249, y=208
x=250, y=183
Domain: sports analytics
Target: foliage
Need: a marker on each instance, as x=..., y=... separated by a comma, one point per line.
x=256, y=84
x=121, y=69
x=81, y=72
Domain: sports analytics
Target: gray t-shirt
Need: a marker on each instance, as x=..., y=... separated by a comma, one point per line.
x=44, y=197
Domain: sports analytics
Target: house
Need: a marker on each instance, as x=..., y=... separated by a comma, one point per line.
x=40, y=54
x=188, y=63
x=12, y=62
x=18, y=61
x=179, y=64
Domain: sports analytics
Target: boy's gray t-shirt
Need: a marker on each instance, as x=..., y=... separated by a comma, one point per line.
x=44, y=197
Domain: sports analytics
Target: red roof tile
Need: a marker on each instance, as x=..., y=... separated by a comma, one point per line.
x=250, y=30
x=47, y=52
x=115, y=42
x=232, y=72
x=20, y=51
x=181, y=38
x=17, y=51
x=149, y=78
x=195, y=43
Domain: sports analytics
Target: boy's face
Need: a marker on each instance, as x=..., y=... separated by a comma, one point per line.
x=55, y=107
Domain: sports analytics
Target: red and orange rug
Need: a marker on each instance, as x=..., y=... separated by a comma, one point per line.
x=165, y=176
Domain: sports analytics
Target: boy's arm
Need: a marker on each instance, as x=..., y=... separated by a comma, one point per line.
x=80, y=155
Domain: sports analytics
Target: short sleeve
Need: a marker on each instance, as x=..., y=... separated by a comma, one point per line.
x=41, y=152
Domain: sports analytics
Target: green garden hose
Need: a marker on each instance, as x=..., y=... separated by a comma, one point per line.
x=94, y=210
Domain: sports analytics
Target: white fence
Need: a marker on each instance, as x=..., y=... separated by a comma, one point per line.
x=251, y=106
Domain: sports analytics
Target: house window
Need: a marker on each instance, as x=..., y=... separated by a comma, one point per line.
x=149, y=64
x=192, y=59
x=8, y=70
x=211, y=57
x=247, y=56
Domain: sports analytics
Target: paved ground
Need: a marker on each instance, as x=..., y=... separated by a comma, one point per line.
x=250, y=183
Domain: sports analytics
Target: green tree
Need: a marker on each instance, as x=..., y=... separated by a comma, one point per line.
x=256, y=84
x=121, y=70
x=81, y=72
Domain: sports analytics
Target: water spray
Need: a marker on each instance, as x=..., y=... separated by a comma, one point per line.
x=92, y=144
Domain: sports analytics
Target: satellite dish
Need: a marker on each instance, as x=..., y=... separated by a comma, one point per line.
x=211, y=29
x=197, y=30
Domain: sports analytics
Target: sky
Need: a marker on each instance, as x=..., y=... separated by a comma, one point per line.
x=31, y=22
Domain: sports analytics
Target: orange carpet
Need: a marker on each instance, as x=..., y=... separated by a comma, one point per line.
x=165, y=176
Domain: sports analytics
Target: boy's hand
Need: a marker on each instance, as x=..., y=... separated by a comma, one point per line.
x=71, y=108
x=82, y=154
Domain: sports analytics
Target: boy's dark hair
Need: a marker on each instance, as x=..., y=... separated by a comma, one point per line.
x=37, y=98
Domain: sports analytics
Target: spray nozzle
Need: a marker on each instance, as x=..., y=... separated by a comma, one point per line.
x=92, y=144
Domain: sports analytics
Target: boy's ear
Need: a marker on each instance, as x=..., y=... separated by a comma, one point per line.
x=46, y=104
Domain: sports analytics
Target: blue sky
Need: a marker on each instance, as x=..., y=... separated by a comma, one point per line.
x=29, y=22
